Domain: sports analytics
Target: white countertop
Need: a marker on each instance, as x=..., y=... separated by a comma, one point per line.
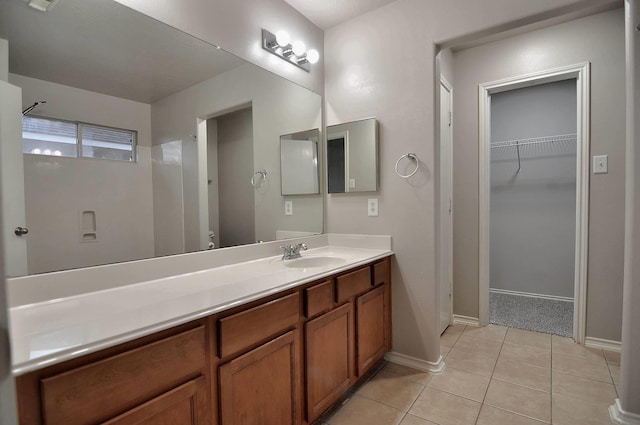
x=57, y=330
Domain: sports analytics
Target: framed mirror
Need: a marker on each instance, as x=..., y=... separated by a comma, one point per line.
x=299, y=163
x=352, y=157
x=204, y=121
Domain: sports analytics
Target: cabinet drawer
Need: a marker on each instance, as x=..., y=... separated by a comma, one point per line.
x=353, y=283
x=249, y=327
x=319, y=298
x=381, y=271
x=104, y=389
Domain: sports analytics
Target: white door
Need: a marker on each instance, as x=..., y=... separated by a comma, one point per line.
x=12, y=180
x=446, y=225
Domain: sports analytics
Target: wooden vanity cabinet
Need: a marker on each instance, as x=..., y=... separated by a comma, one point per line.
x=261, y=386
x=163, y=377
x=281, y=360
x=330, y=354
x=371, y=341
x=345, y=342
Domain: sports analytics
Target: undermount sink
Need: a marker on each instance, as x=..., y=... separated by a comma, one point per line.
x=306, y=262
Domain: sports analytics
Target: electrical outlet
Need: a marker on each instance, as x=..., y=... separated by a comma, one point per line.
x=288, y=207
x=352, y=183
x=372, y=207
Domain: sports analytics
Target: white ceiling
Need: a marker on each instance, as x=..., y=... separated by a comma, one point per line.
x=105, y=47
x=328, y=13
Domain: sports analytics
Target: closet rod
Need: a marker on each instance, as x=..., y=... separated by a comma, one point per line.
x=535, y=141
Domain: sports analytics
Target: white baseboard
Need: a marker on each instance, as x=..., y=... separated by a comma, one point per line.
x=621, y=417
x=604, y=344
x=465, y=320
x=415, y=363
x=530, y=294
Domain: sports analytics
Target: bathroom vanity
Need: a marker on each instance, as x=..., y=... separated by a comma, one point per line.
x=282, y=355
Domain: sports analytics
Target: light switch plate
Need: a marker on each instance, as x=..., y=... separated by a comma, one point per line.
x=600, y=164
x=372, y=207
x=288, y=207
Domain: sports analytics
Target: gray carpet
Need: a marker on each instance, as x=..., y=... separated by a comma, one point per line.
x=533, y=314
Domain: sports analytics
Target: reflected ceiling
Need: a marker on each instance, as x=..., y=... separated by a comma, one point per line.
x=130, y=50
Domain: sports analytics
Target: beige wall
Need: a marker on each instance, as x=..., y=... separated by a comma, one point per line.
x=598, y=39
x=390, y=74
x=630, y=368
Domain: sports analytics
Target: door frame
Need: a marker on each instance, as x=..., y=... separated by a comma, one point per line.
x=443, y=228
x=581, y=72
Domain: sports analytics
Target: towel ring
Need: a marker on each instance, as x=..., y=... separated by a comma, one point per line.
x=262, y=173
x=411, y=156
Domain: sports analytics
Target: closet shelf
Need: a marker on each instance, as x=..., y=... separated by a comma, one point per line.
x=535, y=141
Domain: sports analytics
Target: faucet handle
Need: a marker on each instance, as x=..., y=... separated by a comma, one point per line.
x=303, y=246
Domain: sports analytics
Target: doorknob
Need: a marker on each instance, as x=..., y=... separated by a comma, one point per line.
x=19, y=231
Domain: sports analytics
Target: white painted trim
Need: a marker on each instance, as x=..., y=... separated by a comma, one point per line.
x=622, y=417
x=465, y=320
x=530, y=295
x=603, y=344
x=441, y=275
x=581, y=73
x=484, y=202
x=416, y=363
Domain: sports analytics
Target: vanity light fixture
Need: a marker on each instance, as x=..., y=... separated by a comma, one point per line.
x=296, y=52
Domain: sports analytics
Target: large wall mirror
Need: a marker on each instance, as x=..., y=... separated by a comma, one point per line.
x=204, y=122
x=352, y=156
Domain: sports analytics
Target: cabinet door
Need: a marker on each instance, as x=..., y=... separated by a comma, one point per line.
x=330, y=358
x=179, y=406
x=262, y=387
x=371, y=328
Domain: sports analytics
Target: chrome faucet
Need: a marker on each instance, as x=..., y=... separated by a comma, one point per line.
x=289, y=252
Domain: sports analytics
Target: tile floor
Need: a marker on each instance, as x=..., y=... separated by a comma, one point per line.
x=494, y=376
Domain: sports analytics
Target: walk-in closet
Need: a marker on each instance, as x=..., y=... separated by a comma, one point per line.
x=533, y=207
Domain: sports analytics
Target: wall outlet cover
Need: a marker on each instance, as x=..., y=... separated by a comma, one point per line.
x=288, y=207
x=372, y=207
x=600, y=164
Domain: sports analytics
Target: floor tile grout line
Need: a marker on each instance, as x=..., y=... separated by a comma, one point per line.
x=613, y=381
x=424, y=387
x=491, y=377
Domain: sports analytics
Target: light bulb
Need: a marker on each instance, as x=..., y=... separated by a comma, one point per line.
x=47, y=152
x=283, y=38
x=57, y=153
x=36, y=151
x=298, y=48
x=313, y=56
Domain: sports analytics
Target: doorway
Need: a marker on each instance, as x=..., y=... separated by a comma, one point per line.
x=231, y=200
x=533, y=198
